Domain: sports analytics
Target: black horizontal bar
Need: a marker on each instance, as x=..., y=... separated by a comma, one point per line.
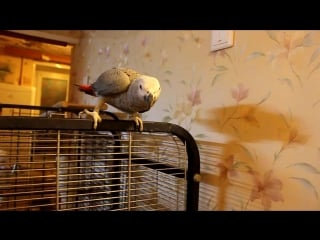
x=43, y=123
x=164, y=168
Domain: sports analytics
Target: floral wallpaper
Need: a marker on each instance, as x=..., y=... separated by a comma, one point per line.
x=260, y=99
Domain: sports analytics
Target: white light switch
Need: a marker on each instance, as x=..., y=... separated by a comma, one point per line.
x=221, y=39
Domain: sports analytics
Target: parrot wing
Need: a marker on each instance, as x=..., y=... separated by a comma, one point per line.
x=114, y=81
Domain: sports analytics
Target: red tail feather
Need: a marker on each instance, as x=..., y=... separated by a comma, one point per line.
x=87, y=89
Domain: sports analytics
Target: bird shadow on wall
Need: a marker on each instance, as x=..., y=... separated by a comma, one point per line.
x=253, y=123
x=248, y=123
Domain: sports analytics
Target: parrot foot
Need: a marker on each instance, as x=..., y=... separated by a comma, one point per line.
x=139, y=123
x=95, y=116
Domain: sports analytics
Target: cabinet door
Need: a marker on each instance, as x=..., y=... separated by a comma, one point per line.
x=53, y=87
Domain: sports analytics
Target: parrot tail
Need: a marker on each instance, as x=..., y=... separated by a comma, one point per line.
x=87, y=89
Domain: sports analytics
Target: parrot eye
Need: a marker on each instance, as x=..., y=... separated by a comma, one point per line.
x=140, y=86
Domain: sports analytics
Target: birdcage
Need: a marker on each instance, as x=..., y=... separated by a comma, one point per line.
x=51, y=159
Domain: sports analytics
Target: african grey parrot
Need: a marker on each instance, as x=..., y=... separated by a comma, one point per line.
x=124, y=89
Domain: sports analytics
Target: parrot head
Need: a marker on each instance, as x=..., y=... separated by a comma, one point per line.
x=146, y=92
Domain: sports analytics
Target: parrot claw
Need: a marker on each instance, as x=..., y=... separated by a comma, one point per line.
x=95, y=116
x=80, y=114
x=139, y=123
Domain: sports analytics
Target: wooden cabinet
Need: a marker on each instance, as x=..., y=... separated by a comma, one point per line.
x=16, y=94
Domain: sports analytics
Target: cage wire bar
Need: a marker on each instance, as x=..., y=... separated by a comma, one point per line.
x=50, y=159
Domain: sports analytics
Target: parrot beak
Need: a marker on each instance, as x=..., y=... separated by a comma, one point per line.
x=149, y=99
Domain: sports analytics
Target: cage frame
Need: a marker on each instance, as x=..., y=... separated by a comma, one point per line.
x=113, y=125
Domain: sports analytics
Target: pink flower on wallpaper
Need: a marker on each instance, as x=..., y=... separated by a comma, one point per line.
x=240, y=92
x=268, y=189
x=125, y=49
x=227, y=168
x=164, y=57
x=107, y=51
x=194, y=97
x=285, y=40
x=144, y=42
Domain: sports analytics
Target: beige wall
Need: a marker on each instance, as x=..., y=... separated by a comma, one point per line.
x=260, y=99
